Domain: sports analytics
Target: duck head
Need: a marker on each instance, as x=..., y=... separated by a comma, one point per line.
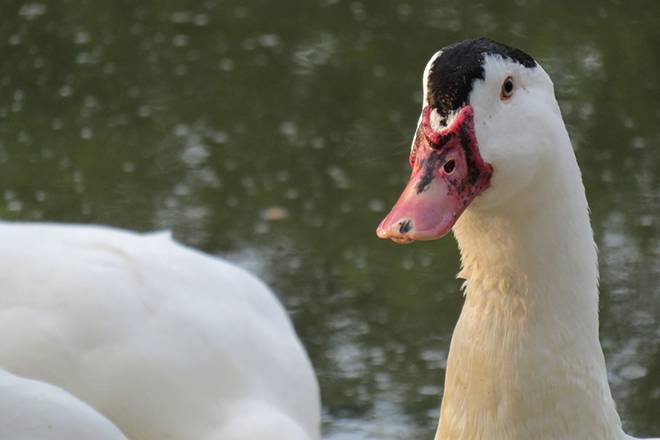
x=488, y=119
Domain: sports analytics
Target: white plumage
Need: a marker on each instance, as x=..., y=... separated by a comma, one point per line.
x=33, y=410
x=165, y=341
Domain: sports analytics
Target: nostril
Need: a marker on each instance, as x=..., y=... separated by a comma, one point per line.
x=405, y=226
x=449, y=166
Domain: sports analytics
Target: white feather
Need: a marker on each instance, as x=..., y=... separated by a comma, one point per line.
x=166, y=341
x=33, y=410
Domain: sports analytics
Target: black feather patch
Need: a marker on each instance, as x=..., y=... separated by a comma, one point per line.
x=452, y=74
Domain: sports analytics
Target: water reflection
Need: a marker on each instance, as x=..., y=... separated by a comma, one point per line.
x=277, y=138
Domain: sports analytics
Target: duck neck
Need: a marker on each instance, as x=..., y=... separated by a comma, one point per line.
x=525, y=360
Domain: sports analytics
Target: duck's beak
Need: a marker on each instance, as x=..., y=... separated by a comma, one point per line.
x=447, y=174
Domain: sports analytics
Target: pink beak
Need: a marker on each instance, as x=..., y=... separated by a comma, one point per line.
x=447, y=174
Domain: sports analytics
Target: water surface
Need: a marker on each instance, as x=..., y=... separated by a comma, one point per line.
x=276, y=134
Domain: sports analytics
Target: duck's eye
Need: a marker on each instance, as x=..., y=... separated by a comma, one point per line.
x=507, y=88
x=449, y=166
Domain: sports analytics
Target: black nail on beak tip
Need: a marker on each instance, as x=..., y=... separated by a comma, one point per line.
x=405, y=226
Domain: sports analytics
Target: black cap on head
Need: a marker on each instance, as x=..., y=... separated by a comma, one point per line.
x=452, y=74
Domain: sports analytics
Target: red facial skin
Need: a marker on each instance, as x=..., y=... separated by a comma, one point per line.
x=438, y=191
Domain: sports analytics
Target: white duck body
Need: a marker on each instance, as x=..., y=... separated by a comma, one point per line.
x=165, y=341
x=525, y=361
x=33, y=410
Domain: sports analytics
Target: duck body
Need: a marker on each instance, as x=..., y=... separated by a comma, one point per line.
x=33, y=410
x=492, y=162
x=165, y=341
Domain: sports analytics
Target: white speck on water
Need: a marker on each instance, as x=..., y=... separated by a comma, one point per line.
x=196, y=212
x=628, y=122
x=180, y=40
x=30, y=11
x=289, y=129
x=66, y=91
x=292, y=193
x=349, y=359
x=379, y=71
x=376, y=205
x=194, y=155
x=318, y=143
x=315, y=53
x=633, y=372
x=282, y=176
x=585, y=111
x=84, y=58
x=209, y=178
x=24, y=137
x=261, y=228
x=14, y=40
x=11, y=202
x=269, y=40
x=128, y=167
x=220, y=137
x=86, y=133
x=404, y=10
x=226, y=64
x=181, y=130
x=144, y=111
x=638, y=142
x=201, y=20
x=435, y=358
x=171, y=203
x=339, y=176
x=81, y=37
x=182, y=190
x=358, y=10
x=430, y=390
x=614, y=239
x=78, y=182
x=425, y=260
x=14, y=205
x=646, y=220
x=91, y=102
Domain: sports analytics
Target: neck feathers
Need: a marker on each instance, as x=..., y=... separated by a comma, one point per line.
x=525, y=359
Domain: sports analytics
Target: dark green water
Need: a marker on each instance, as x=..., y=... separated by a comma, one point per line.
x=276, y=134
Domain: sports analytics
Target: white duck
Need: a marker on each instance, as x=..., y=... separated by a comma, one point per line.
x=165, y=341
x=33, y=410
x=492, y=161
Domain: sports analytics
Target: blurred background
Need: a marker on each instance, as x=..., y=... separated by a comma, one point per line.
x=276, y=134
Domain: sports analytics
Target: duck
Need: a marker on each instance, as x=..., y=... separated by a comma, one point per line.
x=34, y=410
x=163, y=340
x=492, y=162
